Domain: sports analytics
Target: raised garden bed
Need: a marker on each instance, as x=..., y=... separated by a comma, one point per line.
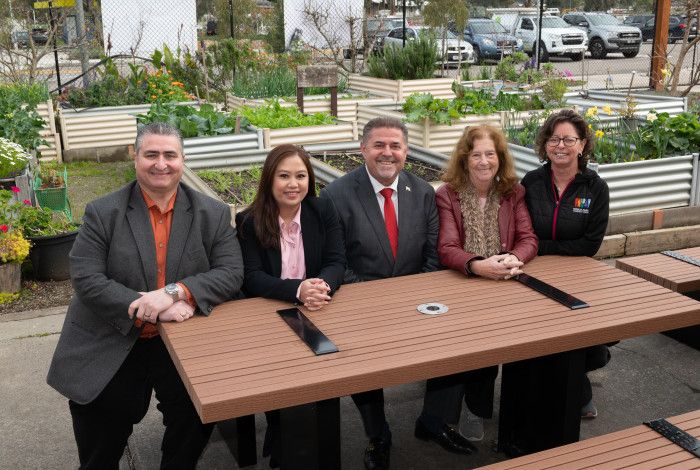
x=399, y=90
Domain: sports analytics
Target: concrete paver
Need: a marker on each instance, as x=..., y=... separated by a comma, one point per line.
x=648, y=377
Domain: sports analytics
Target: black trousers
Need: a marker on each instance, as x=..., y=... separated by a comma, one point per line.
x=103, y=426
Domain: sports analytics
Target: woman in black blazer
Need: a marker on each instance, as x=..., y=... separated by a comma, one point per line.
x=292, y=245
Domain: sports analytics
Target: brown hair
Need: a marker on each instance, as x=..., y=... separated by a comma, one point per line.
x=264, y=207
x=582, y=129
x=384, y=122
x=457, y=172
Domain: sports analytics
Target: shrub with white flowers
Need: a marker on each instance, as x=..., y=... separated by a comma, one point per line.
x=13, y=158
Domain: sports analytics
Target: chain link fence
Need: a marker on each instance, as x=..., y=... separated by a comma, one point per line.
x=341, y=31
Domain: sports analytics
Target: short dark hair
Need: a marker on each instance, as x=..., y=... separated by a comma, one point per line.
x=384, y=122
x=582, y=129
x=264, y=208
x=158, y=128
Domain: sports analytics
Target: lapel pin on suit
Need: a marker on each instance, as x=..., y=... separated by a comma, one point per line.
x=408, y=188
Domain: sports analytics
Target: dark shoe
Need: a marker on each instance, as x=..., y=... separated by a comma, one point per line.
x=449, y=438
x=377, y=454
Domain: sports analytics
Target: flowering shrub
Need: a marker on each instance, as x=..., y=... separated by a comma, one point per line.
x=13, y=158
x=14, y=248
x=161, y=87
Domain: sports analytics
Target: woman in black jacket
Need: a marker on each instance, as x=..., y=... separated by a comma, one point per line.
x=292, y=245
x=568, y=204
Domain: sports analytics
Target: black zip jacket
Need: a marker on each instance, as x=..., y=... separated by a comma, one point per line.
x=576, y=226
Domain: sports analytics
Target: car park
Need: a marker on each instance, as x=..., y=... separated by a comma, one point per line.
x=455, y=50
x=490, y=40
x=606, y=34
x=558, y=37
x=377, y=29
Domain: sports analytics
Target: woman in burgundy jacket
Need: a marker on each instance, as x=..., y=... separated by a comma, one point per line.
x=485, y=230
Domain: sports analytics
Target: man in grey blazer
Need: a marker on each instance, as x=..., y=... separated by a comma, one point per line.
x=378, y=246
x=154, y=250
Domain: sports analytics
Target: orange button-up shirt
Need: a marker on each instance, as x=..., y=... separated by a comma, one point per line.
x=160, y=223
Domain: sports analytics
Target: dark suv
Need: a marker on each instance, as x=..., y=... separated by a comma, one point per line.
x=676, y=27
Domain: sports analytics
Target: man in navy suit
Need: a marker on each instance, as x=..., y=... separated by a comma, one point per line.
x=390, y=227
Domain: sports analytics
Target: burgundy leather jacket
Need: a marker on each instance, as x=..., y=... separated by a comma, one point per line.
x=517, y=235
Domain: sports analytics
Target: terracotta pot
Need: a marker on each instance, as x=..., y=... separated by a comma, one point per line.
x=10, y=277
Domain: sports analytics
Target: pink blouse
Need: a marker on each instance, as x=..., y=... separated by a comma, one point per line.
x=292, y=247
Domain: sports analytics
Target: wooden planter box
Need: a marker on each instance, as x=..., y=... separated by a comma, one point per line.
x=340, y=132
x=347, y=107
x=52, y=151
x=635, y=186
x=399, y=90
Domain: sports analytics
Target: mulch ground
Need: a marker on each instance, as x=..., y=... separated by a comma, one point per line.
x=37, y=295
x=349, y=161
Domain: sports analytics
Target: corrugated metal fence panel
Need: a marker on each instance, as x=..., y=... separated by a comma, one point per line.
x=52, y=151
x=347, y=107
x=401, y=89
x=525, y=159
x=340, y=132
x=101, y=127
x=205, y=149
x=438, y=87
x=378, y=86
x=649, y=184
x=235, y=102
x=644, y=103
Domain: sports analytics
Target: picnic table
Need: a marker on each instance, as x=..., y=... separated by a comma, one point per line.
x=244, y=359
x=674, y=274
x=635, y=448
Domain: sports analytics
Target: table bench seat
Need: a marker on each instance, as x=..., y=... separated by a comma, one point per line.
x=635, y=448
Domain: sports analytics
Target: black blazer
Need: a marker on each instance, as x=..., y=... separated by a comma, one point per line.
x=324, y=255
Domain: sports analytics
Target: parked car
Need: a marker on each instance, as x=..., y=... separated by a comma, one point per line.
x=490, y=40
x=558, y=37
x=455, y=50
x=676, y=27
x=378, y=28
x=21, y=38
x=606, y=34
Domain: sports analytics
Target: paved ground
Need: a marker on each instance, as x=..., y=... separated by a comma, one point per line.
x=648, y=377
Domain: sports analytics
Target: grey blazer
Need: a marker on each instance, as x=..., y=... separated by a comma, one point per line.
x=113, y=259
x=367, y=246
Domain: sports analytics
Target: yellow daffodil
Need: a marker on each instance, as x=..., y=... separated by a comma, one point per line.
x=651, y=117
x=608, y=110
x=592, y=111
x=599, y=134
x=665, y=72
x=590, y=126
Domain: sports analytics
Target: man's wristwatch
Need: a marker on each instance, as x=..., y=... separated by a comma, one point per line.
x=173, y=290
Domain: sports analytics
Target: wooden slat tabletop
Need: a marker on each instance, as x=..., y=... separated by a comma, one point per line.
x=663, y=270
x=244, y=359
x=637, y=448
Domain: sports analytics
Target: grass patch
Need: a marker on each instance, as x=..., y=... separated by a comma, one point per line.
x=90, y=180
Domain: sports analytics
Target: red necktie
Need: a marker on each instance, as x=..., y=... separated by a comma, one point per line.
x=390, y=219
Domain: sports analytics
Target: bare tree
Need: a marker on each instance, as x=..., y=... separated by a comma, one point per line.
x=334, y=43
x=692, y=9
x=439, y=14
x=19, y=59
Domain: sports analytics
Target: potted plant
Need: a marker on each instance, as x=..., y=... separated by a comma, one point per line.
x=13, y=161
x=14, y=248
x=52, y=235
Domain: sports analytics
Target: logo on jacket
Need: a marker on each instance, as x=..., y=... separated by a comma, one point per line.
x=581, y=204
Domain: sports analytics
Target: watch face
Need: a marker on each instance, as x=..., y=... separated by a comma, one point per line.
x=171, y=289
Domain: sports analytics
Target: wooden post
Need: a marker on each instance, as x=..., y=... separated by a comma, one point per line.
x=658, y=48
x=318, y=76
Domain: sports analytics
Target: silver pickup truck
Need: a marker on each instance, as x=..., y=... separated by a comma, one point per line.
x=606, y=34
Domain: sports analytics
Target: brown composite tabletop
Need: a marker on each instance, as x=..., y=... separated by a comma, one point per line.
x=244, y=359
x=635, y=448
x=663, y=270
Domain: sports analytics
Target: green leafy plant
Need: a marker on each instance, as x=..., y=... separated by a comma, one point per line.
x=485, y=73
x=419, y=107
x=19, y=120
x=553, y=90
x=417, y=60
x=191, y=121
x=274, y=116
x=526, y=134
x=275, y=82
x=42, y=221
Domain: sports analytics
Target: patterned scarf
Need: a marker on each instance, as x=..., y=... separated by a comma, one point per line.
x=482, y=236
